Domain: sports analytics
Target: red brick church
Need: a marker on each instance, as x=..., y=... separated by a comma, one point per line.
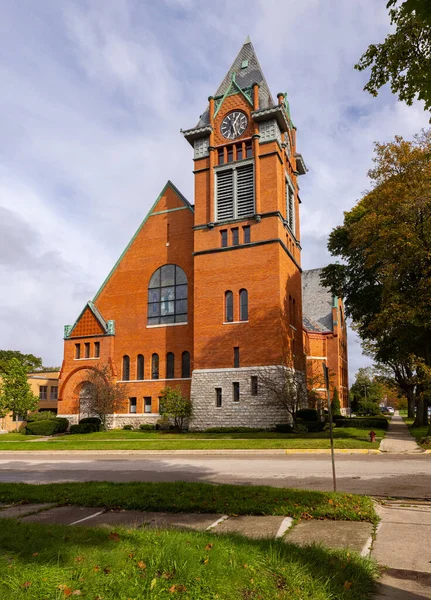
x=208, y=294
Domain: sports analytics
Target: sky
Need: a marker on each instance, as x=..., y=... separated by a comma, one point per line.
x=93, y=96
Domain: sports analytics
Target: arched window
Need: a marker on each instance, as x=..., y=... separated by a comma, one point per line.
x=140, y=367
x=167, y=296
x=228, y=307
x=170, y=365
x=243, y=305
x=155, y=366
x=185, y=364
x=126, y=368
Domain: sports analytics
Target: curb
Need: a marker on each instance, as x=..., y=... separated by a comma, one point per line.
x=190, y=452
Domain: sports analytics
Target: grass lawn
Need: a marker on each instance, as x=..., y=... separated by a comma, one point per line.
x=344, y=438
x=54, y=562
x=196, y=497
x=417, y=432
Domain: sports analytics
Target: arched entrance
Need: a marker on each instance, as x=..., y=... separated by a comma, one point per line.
x=86, y=396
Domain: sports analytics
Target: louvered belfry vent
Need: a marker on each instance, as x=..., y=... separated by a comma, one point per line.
x=225, y=199
x=245, y=191
x=235, y=192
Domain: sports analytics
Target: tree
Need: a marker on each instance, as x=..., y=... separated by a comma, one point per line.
x=284, y=387
x=335, y=403
x=16, y=396
x=404, y=58
x=30, y=362
x=173, y=405
x=103, y=397
x=366, y=393
x=385, y=241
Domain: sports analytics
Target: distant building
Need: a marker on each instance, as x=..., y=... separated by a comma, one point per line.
x=44, y=385
x=325, y=336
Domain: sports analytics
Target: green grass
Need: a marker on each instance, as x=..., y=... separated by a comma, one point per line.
x=344, y=438
x=417, y=432
x=15, y=437
x=52, y=562
x=196, y=497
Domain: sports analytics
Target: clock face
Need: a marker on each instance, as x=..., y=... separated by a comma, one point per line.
x=233, y=125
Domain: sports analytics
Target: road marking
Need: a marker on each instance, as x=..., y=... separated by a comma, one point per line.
x=222, y=518
x=366, y=550
x=86, y=518
x=285, y=524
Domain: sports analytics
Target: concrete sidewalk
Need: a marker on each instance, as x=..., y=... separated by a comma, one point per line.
x=399, y=440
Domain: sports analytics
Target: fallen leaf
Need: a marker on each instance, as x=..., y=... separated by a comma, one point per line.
x=177, y=588
x=245, y=566
x=67, y=591
x=131, y=555
x=142, y=565
x=168, y=575
x=114, y=536
x=347, y=585
x=79, y=558
x=96, y=568
x=76, y=593
x=35, y=554
x=206, y=561
x=208, y=547
x=153, y=584
x=106, y=570
x=27, y=584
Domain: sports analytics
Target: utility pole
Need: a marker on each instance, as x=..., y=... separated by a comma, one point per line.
x=328, y=393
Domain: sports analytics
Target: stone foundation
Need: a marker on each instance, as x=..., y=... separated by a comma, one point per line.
x=250, y=411
x=118, y=421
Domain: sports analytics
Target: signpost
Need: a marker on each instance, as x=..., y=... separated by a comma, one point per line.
x=328, y=393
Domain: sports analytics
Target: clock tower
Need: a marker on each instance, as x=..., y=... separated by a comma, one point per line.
x=247, y=250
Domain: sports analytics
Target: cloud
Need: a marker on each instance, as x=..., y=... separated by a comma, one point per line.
x=93, y=97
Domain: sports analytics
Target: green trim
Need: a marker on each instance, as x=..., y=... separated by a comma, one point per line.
x=97, y=315
x=181, y=197
x=335, y=305
x=228, y=92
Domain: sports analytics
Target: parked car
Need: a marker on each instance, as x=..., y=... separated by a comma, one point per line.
x=391, y=410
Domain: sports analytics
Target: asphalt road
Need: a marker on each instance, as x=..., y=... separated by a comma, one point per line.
x=406, y=476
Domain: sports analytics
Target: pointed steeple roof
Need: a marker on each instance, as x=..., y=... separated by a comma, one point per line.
x=246, y=71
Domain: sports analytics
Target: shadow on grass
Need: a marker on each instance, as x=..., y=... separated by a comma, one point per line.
x=113, y=561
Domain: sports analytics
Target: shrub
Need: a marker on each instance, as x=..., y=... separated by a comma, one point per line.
x=233, y=429
x=40, y=416
x=307, y=414
x=283, y=428
x=94, y=420
x=84, y=428
x=147, y=427
x=426, y=441
x=175, y=406
x=128, y=427
x=315, y=426
x=300, y=428
x=365, y=422
x=48, y=427
x=367, y=406
x=335, y=404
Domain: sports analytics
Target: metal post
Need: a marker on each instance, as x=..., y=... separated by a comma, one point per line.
x=326, y=375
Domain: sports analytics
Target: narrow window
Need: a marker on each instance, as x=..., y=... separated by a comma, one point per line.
x=230, y=154
x=290, y=207
x=248, y=150
x=126, y=368
x=155, y=366
x=87, y=349
x=243, y=305
x=96, y=349
x=254, y=385
x=239, y=152
x=246, y=234
x=185, y=364
x=132, y=405
x=77, y=350
x=43, y=392
x=225, y=194
x=170, y=365
x=53, y=392
x=147, y=404
x=220, y=156
x=293, y=312
x=235, y=236
x=223, y=235
x=235, y=386
x=219, y=398
x=228, y=297
x=140, y=367
x=236, y=357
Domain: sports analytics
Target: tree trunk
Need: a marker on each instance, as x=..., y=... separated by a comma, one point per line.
x=421, y=414
x=411, y=402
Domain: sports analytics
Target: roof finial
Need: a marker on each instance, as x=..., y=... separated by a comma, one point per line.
x=247, y=40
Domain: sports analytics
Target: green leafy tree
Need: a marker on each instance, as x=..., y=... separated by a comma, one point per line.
x=335, y=403
x=16, y=396
x=103, y=396
x=30, y=362
x=173, y=405
x=404, y=58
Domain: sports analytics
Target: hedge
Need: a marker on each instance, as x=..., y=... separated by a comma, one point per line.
x=93, y=420
x=48, y=427
x=40, y=416
x=283, y=428
x=148, y=427
x=84, y=428
x=364, y=422
x=233, y=429
x=307, y=414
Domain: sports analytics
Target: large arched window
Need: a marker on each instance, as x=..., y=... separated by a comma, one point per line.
x=185, y=364
x=126, y=368
x=140, y=367
x=243, y=305
x=167, y=296
x=155, y=366
x=228, y=307
x=170, y=365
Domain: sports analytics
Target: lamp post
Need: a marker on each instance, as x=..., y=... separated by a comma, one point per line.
x=326, y=375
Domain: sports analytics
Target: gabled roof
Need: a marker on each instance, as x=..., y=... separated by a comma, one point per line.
x=317, y=303
x=186, y=205
x=97, y=315
x=245, y=71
